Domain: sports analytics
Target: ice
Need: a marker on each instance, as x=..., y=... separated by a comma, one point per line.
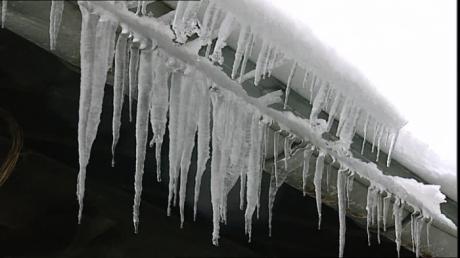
x=288, y=84
x=159, y=105
x=398, y=207
x=392, y=145
x=185, y=21
x=118, y=85
x=225, y=29
x=133, y=73
x=218, y=109
x=386, y=205
x=87, y=55
x=190, y=117
x=349, y=186
x=142, y=118
x=365, y=133
x=306, y=166
x=370, y=208
x=341, y=201
x=260, y=62
x=243, y=41
x=174, y=156
x=317, y=182
x=4, y=11
x=94, y=36
x=254, y=175
x=204, y=119
x=275, y=153
x=378, y=199
x=332, y=111
x=247, y=53
x=57, y=7
x=287, y=154
x=428, y=225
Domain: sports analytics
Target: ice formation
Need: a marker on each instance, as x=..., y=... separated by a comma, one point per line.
x=4, y=11
x=57, y=7
x=158, y=65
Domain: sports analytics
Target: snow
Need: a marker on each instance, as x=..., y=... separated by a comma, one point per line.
x=388, y=52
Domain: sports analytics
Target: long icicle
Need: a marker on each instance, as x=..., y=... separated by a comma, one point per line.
x=87, y=55
x=204, y=130
x=288, y=84
x=306, y=167
x=118, y=85
x=57, y=7
x=133, y=73
x=142, y=119
x=317, y=182
x=243, y=40
x=341, y=201
x=4, y=10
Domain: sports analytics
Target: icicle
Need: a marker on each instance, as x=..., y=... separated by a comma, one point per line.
x=374, y=137
x=345, y=115
x=158, y=110
x=333, y=110
x=392, y=145
x=369, y=208
x=288, y=84
x=182, y=141
x=287, y=153
x=428, y=225
x=275, y=153
x=254, y=176
x=87, y=54
x=185, y=20
x=243, y=41
x=386, y=203
x=57, y=7
x=312, y=87
x=174, y=102
x=94, y=36
x=133, y=72
x=306, y=167
x=318, y=102
x=204, y=132
x=220, y=109
x=317, y=183
x=225, y=30
x=341, y=201
x=244, y=161
x=379, y=208
x=118, y=85
x=247, y=53
x=4, y=10
x=142, y=119
x=365, y=133
x=378, y=143
x=349, y=187
x=397, y=213
x=188, y=138
x=260, y=62
x=418, y=224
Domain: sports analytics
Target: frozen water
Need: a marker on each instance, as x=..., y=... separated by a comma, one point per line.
x=57, y=7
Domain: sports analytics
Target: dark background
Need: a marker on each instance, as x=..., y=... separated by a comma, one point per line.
x=38, y=208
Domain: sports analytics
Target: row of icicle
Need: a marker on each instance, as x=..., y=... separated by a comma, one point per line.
x=163, y=85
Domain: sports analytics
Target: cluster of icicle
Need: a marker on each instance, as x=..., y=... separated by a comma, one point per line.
x=166, y=87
